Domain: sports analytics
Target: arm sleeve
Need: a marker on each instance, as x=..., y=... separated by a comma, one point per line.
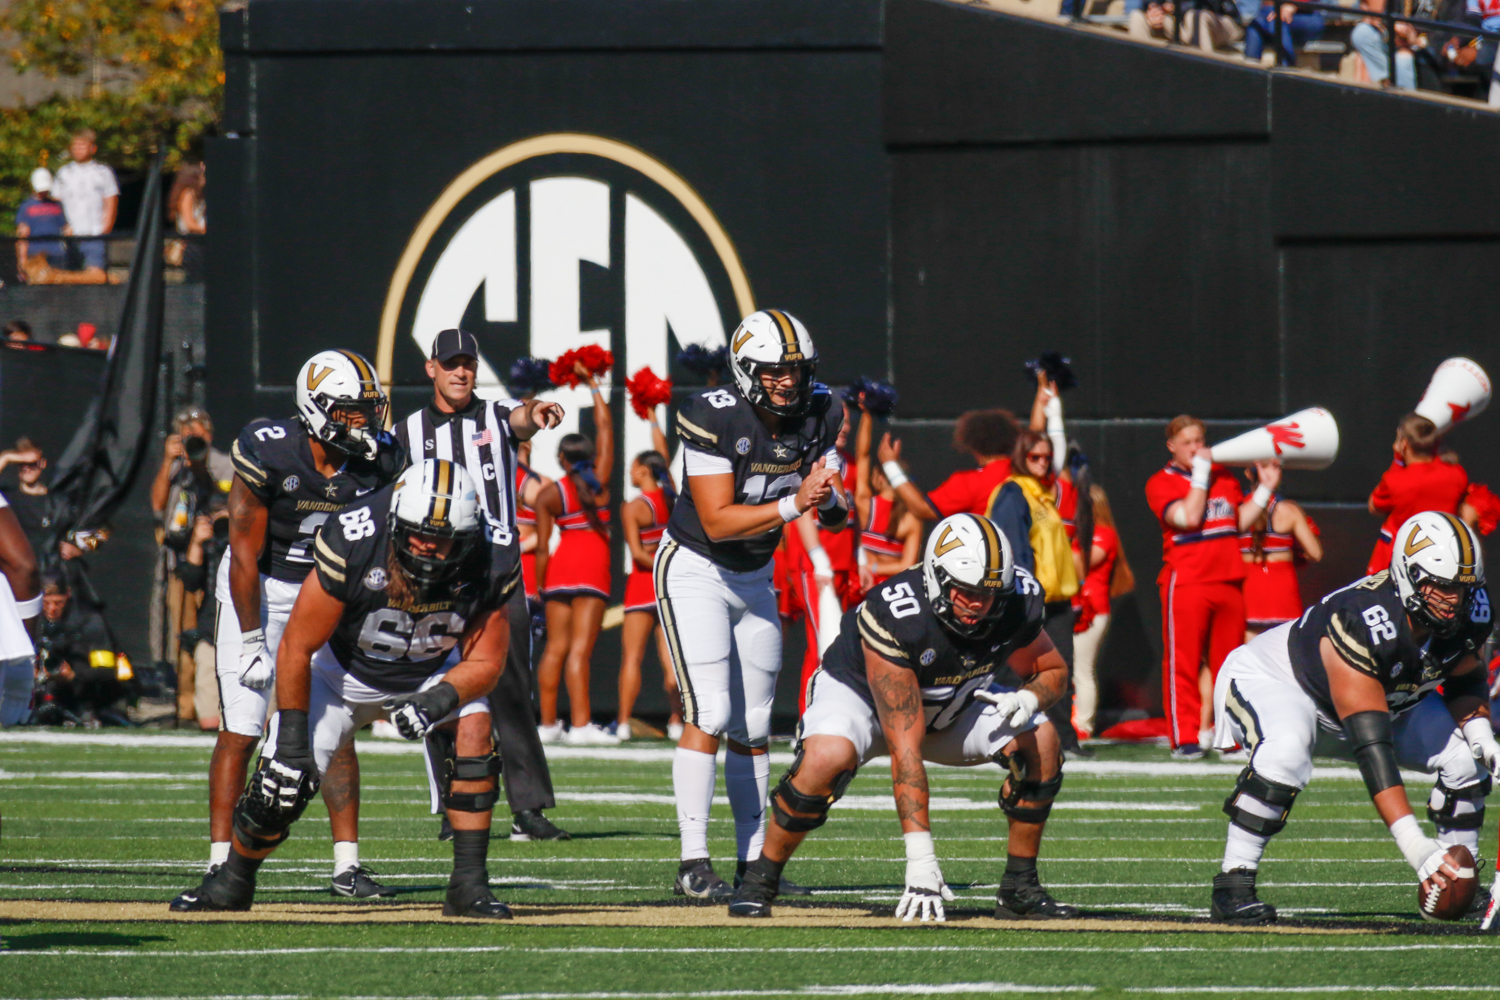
x=697, y=462
x=1012, y=515
x=248, y=465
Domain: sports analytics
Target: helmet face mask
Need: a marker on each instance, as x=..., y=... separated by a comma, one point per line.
x=1437, y=567
x=966, y=554
x=436, y=526
x=766, y=346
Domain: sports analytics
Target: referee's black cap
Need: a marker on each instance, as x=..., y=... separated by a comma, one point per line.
x=451, y=343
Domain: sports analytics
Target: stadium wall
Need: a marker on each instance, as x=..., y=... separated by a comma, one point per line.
x=940, y=192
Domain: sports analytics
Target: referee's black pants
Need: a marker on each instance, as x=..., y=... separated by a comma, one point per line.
x=1059, y=628
x=528, y=783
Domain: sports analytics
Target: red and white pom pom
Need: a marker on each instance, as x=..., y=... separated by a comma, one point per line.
x=647, y=392
x=595, y=359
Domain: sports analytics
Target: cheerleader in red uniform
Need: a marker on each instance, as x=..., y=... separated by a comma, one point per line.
x=1281, y=538
x=890, y=537
x=575, y=579
x=644, y=519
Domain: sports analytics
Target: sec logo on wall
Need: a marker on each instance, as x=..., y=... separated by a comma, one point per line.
x=558, y=241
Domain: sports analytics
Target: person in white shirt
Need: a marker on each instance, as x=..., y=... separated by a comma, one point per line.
x=20, y=604
x=90, y=197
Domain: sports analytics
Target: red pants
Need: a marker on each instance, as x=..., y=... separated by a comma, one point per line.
x=1200, y=622
x=846, y=588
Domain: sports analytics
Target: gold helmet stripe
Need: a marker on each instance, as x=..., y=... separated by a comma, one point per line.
x=366, y=373
x=788, y=332
x=1465, y=544
x=991, y=542
x=440, y=500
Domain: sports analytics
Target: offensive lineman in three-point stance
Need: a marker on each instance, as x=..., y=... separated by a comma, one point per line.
x=912, y=674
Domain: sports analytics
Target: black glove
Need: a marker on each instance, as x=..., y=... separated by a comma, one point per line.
x=415, y=715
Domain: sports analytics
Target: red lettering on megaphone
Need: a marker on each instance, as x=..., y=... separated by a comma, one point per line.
x=1284, y=434
x=1459, y=412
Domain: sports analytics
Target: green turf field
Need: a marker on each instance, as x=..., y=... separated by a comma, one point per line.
x=1134, y=841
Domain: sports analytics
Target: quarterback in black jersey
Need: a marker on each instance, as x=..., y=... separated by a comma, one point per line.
x=912, y=675
x=404, y=614
x=290, y=476
x=1384, y=670
x=756, y=456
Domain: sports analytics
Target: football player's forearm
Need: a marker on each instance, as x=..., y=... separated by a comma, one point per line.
x=1391, y=804
x=244, y=588
x=1048, y=686
x=294, y=673
x=909, y=786
x=742, y=521
x=474, y=678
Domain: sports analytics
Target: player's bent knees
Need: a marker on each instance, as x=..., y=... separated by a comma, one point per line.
x=711, y=714
x=826, y=769
x=1458, y=808
x=1028, y=791
x=476, y=772
x=1259, y=804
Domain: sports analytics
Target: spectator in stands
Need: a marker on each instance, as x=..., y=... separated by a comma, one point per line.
x=187, y=210
x=1368, y=39
x=77, y=655
x=1487, y=14
x=197, y=571
x=39, y=216
x=90, y=198
x=987, y=436
x=1150, y=19
x=29, y=501
x=1204, y=24
x=18, y=331
x=1283, y=22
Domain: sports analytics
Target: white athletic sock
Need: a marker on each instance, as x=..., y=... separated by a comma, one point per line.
x=218, y=852
x=693, y=776
x=1448, y=836
x=345, y=856
x=746, y=779
x=1242, y=849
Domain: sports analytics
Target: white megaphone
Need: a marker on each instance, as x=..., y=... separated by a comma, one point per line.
x=1458, y=391
x=1307, y=439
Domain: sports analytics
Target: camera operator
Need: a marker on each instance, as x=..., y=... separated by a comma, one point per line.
x=193, y=479
x=76, y=657
x=195, y=570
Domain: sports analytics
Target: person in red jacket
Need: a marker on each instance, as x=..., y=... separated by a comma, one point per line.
x=1201, y=511
x=1416, y=481
x=987, y=436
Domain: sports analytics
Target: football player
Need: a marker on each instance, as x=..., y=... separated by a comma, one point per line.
x=291, y=476
x=757, y=456
x=912, y=675
x=1364, y=666
x=400, y=581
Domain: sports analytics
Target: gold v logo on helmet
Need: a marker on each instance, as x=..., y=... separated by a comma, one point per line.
x=1415, y=542
x=740, y=340
x=315, y=377
x=947, y=541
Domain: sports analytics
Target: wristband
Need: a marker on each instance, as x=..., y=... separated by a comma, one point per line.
x=919, y=846
x=787, y=508
x=29, y=608
x=894, y=474
x=291, y=733
x=1261, y=497
x=253, y=640
x=862, y=556
x=831, y=501
x=1202, y=468
x=833, y=460
x=822, y=565
x=1410, y=839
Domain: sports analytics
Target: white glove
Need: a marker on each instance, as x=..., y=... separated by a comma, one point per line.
x=925, y=888
x=1480, y=734
x=1016, y=706
x=257, y=669
x=1421, y=852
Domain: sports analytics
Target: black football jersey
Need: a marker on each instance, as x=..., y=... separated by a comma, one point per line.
x=897, y=622
x=396, y=646
x=1367, y=626
x=722, y=422
x=274, y=460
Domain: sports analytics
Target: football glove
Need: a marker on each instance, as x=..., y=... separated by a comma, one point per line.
x=925, y=888
x=1480, y=735
x=1016, y=707
x=1424, y=854
x=257, y=668
x=416, y=715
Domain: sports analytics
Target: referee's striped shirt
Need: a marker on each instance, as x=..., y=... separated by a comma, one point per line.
x=480, y=439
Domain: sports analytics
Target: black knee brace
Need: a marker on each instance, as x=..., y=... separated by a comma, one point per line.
x=1259, y=805
x=449, y=767
x=1446, y=806
x=795, y=800
x=1021, y=786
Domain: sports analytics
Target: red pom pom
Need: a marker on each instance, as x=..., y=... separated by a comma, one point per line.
x=648, y=392
x=593, y=358
x=1486, y=503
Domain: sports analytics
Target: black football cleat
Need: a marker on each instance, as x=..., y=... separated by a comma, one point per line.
x=1235, y=902
x=696, y=880
x=787, y=886
x=474, y=899
x=1021, y=897
x=220, y=890
x=357, y=883
x=530, y=824
x=754, y=892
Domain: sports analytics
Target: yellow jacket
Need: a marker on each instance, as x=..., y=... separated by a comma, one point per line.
x=1051, y=551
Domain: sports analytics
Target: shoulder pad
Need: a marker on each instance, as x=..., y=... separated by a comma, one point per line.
x=820, y=400
x=879, y=630
x=1366, y=637
x=703, y=418
x=252, y=453
x=346, y=544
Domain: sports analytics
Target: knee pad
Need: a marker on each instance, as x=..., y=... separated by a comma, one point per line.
x=816, y=804
x=1023, y=786
x=449, y=767
x=1458, y=808
x=1258, y=804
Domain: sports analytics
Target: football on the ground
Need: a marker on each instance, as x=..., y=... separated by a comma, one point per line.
x=1448, y=893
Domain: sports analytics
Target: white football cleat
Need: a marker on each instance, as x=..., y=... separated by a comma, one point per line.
x=589, y=736
x=550, y=734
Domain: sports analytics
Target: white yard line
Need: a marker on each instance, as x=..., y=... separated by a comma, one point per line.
x=852, y=990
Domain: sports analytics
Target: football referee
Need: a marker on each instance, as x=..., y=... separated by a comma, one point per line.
x=476, y=433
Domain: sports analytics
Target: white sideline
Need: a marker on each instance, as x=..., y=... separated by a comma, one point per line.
x=853, y=990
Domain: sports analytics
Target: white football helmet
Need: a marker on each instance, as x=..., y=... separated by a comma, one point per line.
x=968, y=552
x=436, y=499
x=1436, y=547
x=772, y=338
x=330, y=381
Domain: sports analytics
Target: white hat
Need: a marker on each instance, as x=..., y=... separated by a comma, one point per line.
x=41, y=180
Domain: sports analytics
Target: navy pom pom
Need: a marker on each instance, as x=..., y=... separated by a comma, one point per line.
x=529, y=376
x=701, y=361
x=1056, y=367
x=880, y=397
